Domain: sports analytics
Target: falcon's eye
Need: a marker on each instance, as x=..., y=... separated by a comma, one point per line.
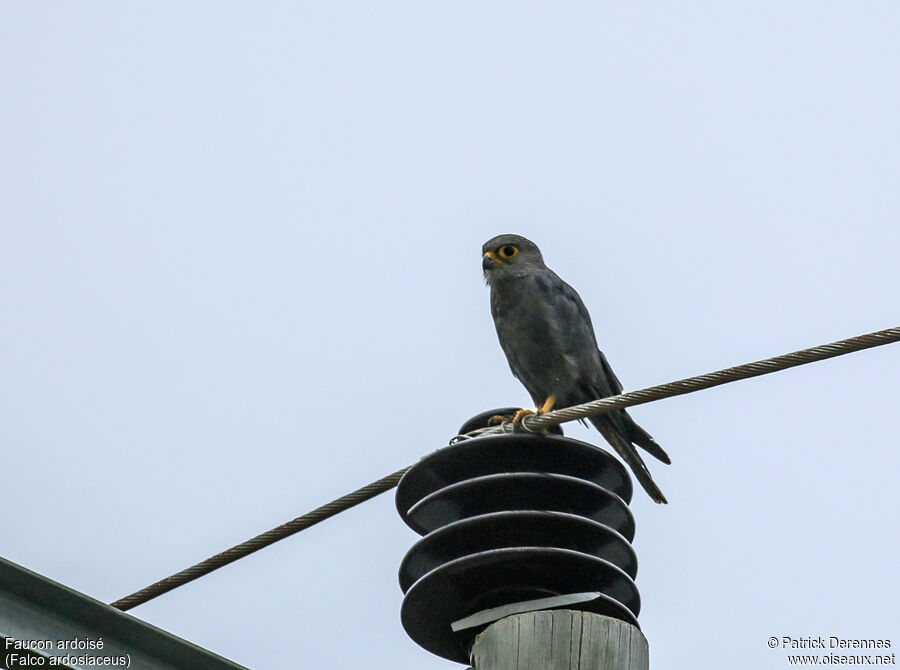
x=508, y=251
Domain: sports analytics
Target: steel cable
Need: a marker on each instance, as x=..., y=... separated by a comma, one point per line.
x=259, y=542
x=711, y=379
x=531, y=423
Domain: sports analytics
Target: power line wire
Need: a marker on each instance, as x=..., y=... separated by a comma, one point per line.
x=701, y=382
x=259, y=542
x=534, y=423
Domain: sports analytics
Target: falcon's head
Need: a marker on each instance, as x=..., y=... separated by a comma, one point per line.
x=508, y=255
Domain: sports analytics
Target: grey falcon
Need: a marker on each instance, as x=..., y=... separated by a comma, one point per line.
x=546, y=333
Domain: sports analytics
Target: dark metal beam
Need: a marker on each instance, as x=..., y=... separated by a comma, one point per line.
x=42, y=618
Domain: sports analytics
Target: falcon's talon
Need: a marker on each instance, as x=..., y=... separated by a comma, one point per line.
x=521, y=414
x=515, y=419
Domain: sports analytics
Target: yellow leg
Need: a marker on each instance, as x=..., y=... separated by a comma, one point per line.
x=548, y=405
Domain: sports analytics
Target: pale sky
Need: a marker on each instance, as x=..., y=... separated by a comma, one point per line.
x=240, y=264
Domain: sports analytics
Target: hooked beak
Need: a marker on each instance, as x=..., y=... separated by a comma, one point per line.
x=490, y=261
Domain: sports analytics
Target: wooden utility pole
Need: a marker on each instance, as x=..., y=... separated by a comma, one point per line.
x=560, y=640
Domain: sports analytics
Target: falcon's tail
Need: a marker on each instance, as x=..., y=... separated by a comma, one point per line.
x=643, y=439
x=623, y=445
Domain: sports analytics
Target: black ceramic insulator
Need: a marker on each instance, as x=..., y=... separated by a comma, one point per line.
x=510, y=518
